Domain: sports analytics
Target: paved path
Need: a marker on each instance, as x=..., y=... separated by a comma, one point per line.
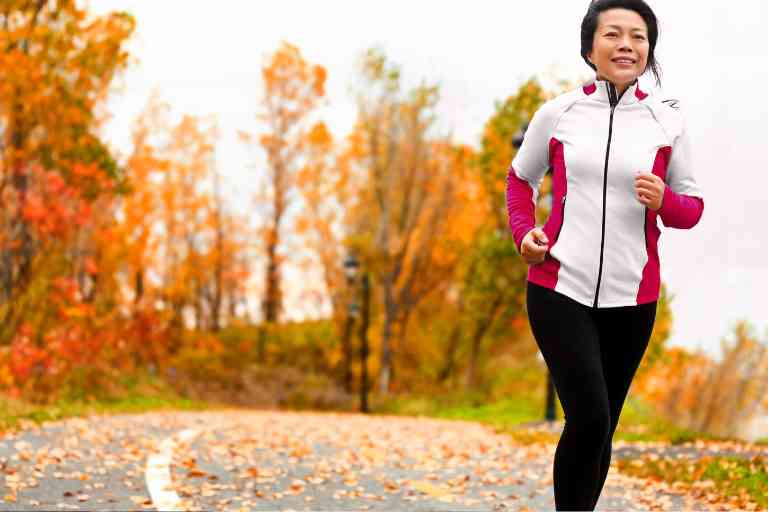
x=270, y=460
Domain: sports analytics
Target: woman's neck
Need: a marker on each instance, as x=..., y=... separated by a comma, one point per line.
x=620, y=88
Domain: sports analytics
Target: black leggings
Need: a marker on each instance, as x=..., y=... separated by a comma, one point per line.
x=593, y=355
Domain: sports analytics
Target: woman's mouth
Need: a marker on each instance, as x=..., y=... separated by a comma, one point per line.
x=624, y=61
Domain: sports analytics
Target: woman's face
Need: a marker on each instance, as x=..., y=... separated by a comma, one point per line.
x=620, y=46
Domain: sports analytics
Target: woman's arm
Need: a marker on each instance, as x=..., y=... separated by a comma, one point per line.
x=526, y=172
x=521, y=206
x=680, y=211
x=683, y=203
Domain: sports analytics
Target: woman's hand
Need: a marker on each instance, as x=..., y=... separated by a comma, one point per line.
x=534, y=246
x=649, y=190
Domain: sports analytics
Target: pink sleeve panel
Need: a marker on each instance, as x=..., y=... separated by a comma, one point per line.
x=520, y=207
x=679, y=210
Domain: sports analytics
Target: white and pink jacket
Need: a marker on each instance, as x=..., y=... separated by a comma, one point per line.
x=603, y=243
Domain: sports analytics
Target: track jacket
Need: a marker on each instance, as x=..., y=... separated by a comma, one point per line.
x=602, y=240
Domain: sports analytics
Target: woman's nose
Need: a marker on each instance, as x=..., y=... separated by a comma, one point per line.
x=625, y=44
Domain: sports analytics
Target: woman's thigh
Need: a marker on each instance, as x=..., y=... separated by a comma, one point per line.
x=568, y=339
x=624, y=335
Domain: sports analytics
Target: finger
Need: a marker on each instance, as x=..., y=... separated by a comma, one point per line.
x=541, y=236
x=647, y=189
x=646, y=183
x=645, y=197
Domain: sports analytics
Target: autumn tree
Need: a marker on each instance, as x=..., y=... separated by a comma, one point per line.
x=140, y=209
x=175, y=222
x=409, y=198
x=293, y=88
x=226, y=257
x=56, y=66
x=698, y=392
x=491, y=285
x=324, y=224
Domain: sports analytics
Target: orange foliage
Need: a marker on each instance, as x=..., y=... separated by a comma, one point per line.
x=718, y=397
x=293, y=89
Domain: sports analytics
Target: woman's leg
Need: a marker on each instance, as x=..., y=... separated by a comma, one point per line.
x=624, y=334
x=568, y=340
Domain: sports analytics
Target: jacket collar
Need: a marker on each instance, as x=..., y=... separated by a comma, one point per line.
x=605, y=92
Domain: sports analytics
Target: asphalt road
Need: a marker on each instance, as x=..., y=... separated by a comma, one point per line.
x=270, y=460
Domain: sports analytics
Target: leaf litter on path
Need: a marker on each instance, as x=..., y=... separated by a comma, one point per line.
x=267, y=460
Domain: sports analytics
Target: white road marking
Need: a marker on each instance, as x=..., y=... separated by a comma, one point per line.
x=158, y=472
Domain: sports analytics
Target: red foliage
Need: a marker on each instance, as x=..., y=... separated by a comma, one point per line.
x=25, y=356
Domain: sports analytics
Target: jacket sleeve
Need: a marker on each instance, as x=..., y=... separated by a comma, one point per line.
x=683, y=202
x=526, y=172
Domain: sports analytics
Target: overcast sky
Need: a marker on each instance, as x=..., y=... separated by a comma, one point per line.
x=205, y=58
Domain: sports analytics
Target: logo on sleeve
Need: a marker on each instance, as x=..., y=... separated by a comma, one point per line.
x=672, y=103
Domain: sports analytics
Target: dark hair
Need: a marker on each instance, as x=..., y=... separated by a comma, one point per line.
x=589, y=25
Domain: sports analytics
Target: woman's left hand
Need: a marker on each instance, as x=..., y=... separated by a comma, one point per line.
x=649, y=190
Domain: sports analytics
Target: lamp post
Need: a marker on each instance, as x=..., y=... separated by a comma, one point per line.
x=549, y=412
x=517, y=138
x=351, y=270
x=366, y=292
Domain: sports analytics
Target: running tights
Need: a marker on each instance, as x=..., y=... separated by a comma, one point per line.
x=592, y=355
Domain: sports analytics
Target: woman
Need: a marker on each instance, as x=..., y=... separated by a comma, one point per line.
x=619, y=158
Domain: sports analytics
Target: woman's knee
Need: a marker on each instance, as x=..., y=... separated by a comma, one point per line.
x=591, y=431
x=591, y=418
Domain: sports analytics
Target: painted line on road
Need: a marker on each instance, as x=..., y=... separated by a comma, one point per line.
x=158, y=472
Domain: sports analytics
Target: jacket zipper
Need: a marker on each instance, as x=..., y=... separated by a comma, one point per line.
x=614, y=100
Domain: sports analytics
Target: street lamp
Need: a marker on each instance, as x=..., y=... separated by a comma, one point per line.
x=351, y=270
x=517, y=139
x=365, y=316
x=549, y=413
x=351, y=267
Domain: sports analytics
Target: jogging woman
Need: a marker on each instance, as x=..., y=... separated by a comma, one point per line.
x=620, y=159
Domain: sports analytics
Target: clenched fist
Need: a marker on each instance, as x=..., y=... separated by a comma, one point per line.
x=534, y=246
x=649, y=190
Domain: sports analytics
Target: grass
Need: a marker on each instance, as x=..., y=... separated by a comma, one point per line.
x=639, y=422
x=511, y=411
x=734, y=480
x=149, y=394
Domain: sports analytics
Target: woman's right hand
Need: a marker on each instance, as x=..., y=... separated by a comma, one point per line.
x=534, y=246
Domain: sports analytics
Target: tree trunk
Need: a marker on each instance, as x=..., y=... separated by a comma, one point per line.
x=272, y=284
x=450, y=357
x=455, y=337
x=348, y=355
x=386, y=350
x=139, y=286
x=477, y=338
x=218, y=270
